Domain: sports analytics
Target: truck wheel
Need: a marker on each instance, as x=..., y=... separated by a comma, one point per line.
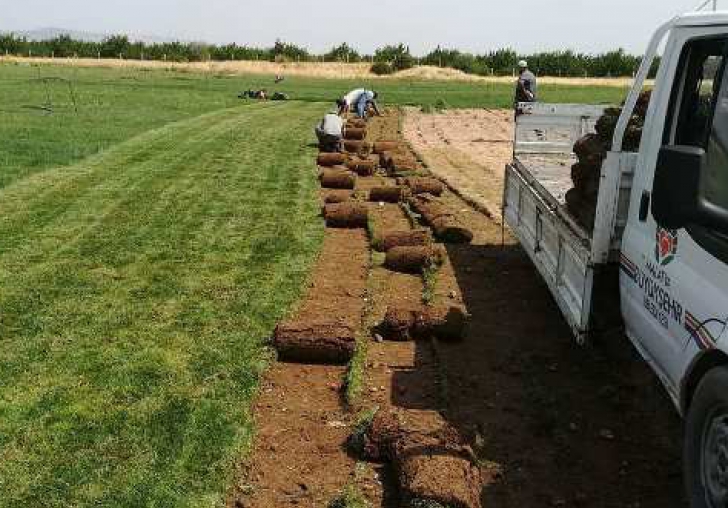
x=706, y=442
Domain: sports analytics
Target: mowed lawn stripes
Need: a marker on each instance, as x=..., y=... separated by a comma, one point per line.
x=136, y=288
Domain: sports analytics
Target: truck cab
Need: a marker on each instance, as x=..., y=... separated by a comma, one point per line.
x=661, y=225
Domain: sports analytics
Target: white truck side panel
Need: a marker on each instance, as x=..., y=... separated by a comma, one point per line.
x=557, y=252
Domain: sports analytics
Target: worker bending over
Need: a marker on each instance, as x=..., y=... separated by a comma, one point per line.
x=361, y=99
x=330, y=132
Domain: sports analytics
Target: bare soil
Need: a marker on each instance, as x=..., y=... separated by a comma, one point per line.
x=468, y=149
x=298, y=458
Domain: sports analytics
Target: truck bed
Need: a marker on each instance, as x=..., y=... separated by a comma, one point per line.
x=551, y=172
x=565, y=254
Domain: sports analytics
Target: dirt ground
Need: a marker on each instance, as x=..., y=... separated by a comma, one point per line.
x=301, y=425
x=567, y=426
x=467, y=148
x=552, y=423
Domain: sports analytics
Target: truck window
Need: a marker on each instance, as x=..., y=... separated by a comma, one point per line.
x=715, y=182
x=698, y=116
x=702, y=63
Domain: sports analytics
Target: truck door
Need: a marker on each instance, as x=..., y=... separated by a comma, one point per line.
x=673, y=281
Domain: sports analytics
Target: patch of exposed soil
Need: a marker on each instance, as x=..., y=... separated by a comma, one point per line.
x=298, y=458
x=466, y=148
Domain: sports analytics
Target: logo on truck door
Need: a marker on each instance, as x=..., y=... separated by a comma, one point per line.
x=666, y=248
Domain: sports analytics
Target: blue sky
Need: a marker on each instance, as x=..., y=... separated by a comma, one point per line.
x=472, y=25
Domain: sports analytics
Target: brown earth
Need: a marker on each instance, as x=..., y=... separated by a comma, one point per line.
x=466, y=148
x=552, y=424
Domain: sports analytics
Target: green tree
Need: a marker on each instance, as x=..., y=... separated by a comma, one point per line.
x=114, y=46
x=399, y=57
x=342, y=53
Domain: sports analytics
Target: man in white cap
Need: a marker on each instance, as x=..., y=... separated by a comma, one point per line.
x=526, y=85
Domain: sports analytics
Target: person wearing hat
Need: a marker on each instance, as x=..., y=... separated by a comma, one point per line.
x=526, y=85
x=330, y=132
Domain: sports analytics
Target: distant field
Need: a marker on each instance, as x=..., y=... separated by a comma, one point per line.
x=115, y=104
x=331, y=70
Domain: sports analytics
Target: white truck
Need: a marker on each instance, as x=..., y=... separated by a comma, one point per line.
x=658, y=254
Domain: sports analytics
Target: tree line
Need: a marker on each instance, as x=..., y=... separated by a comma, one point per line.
x=385, y=60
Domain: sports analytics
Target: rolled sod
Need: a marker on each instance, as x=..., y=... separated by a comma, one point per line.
x=450, y=230
x=416, y=238
x=356, y=146
x=445, y=224
x=362, y=167
x=448, y=324
x=399, y=324
x=337, y=179
x=356, y=123
x=387, y=194
x=411, y=259
x=331, y=159
x=425, y=185
x=590, y=150
x=444, y=323
x=385, y=146
x=338, y=196
x=349, y=215
x=381, y=436
x=433, y=469
x=586, y=179
x=314, y=343
x=437, y=476
x=397, y=162
x=355, y=134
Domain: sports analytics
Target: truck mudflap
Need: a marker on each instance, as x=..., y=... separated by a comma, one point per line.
x=558, y=249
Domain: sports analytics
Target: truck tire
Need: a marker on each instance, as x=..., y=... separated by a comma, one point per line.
x=706, y=442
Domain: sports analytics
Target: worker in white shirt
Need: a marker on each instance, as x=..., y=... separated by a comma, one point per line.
x=361, y=99
x=330, y=132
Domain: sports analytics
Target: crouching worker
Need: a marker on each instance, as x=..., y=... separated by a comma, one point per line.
x=365, y=101
x=330, y=132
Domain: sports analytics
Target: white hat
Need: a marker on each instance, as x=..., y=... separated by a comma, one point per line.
x=523, y=64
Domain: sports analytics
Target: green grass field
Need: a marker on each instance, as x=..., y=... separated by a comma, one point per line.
x=149, y=242
x=137, y=288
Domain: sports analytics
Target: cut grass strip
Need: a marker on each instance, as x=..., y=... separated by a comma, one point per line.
x=136, y=290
